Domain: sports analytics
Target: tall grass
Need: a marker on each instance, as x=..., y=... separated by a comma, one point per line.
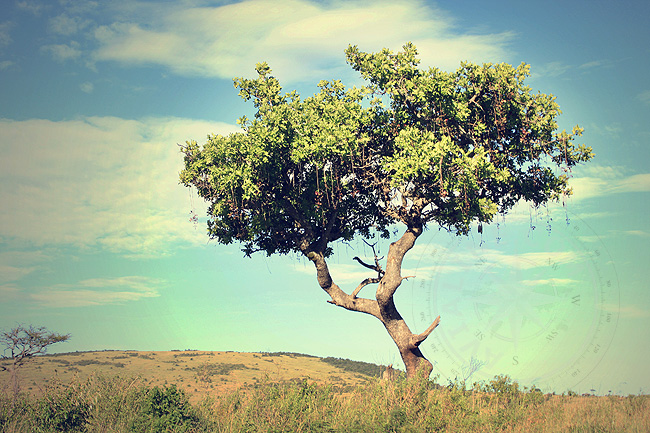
x=117, y=404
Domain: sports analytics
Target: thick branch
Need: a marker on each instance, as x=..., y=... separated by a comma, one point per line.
x=339, y=297
x=416, y=340
x=396, y=252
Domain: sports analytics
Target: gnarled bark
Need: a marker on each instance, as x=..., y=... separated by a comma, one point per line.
x=383, y=306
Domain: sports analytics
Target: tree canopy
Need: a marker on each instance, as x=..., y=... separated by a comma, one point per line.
x=413, y=146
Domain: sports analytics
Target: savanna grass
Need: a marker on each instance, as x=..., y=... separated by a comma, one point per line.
x=117, y=404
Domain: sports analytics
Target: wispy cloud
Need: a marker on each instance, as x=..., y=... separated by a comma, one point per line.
x=32, y=7
x=552, y=69
x=87, y=87
x=16, y=264
x=104, y=183
x=66, y=25
x=598, y=181
x=638, y=233
x=592, y=64
x=5, y=37
x=627, y=311
x=644, y=97
x=99, y=291
x=298, y=38
x=589, y=187
x=13, y=273
x=63, y=52
x=550, y=282
x=9, y=292
x=533, y=259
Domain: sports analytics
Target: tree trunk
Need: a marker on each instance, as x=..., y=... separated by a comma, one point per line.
x=383, y=306
x=406, y=342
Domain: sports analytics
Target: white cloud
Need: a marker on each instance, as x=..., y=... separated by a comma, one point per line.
x=87, y=87
x=627, y=311
x=550, y=282
x=552, y=69
x=644, y=97
x=299, y=39
x=15, y=264
x=6, y=64
x=9, y=292
x=62, y=52
x=13, y=273
x=99, y=291
x=5, y=38
x=66, y=25
x=638, y=233
x=79, y=6
x=99, y=182
x=592, y=64
x=32, y=7
x=533, y=259
x=597, y=186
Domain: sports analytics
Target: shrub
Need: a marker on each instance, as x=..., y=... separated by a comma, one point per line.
x=166, y=409
x=62, y=408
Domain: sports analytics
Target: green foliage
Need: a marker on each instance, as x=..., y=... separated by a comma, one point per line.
x=502, y=385
x=286, y=407
x=365, y=368
x=167, y=409
x=448, y=148
x=290, y=354
x=286, y=178
x=63, y=409
x=205, y=371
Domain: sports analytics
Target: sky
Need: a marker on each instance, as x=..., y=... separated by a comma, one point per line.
x=97, y=236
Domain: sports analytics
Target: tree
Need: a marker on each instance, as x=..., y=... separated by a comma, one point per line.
x=22, y=343
x=412, y=148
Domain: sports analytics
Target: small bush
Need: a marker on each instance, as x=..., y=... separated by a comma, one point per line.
x=167, y=410
x=62, y=408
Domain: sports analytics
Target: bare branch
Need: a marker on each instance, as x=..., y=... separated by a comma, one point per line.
x=377, y=267
x=416, y=340
x=373, y=267
x=363, y=284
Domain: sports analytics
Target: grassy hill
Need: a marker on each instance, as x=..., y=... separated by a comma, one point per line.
x=199, y=373
x=197, y=391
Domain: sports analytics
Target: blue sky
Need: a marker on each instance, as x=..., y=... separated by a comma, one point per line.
x=95, y=232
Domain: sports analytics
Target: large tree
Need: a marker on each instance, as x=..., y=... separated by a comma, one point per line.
x=413, y=147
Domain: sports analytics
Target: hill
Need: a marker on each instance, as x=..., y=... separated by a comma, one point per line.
x=197, y=372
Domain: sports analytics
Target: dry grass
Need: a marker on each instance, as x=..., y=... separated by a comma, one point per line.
x=590, y=414
x=111, y=392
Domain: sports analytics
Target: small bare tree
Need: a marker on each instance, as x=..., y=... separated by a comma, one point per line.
x=472, y=367
x=390, y=374
x=20, y=344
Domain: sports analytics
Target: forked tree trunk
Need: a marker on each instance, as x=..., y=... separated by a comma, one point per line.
x=408, y=343
x=383, y=306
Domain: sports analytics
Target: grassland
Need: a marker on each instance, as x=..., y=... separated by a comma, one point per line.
x=236, y=392
x=198, y=373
